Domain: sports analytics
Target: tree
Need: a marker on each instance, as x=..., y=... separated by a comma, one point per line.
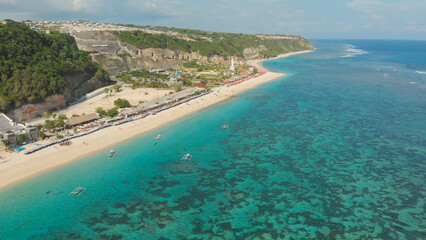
x=177, y=87
x=125, y=78
x=62, y=117
x=49, y=124
x=100, y=111
x=21, y=139
x=117, y=87
x=121, y=103
x=42, y=135
x=5, y=142
x=112, y=112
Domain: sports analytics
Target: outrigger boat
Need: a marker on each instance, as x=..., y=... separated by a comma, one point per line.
x=77, y=191
x=111, y=153
x=186, y=157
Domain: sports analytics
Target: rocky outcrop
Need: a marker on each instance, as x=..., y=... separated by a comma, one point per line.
x=253, y=52
x=97, y=41
x=29, y=111
x=78, y=85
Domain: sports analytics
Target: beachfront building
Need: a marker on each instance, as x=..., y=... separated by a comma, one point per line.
x=82, y=119
x=10, y=130
x=232, y=68
x=32, y=132
x=6, y=126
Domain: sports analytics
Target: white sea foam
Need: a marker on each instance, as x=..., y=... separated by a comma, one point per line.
x=352, y=51
x=421, y=72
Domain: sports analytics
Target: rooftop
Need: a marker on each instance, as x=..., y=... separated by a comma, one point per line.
x=82, y=119
x=5, y=123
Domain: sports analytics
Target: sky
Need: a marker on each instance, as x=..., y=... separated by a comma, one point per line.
x=313, y=19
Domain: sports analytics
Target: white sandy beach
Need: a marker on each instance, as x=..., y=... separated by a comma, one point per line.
x=16, y=167
x=134, y=96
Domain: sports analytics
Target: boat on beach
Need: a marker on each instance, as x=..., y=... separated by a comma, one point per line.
x=186, y=157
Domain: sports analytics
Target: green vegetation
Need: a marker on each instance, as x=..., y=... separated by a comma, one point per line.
x=100, y=111
x=108, y=113
x=146, y=74
x=55, y=123
x=222, y=44
x=33, y=64
x=204, y=67
x=177, y=88
x=117, y=88
x=154, y=79
x=21, y=139
x=42, y=135
x=121, y=103
x=112, y=112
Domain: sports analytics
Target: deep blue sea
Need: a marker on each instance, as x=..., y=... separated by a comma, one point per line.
x=334, y=150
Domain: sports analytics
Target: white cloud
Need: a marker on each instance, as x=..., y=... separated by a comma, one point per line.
x=76, y=5
x=88, y=6
x=8, y=1
x=162, y=7
x=369, y=7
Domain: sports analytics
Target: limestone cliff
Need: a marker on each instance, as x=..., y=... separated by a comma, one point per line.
x=116, y=56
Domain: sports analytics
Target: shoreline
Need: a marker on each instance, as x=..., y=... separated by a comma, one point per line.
x=22, y=167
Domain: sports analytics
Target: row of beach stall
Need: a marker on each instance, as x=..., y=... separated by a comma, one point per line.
x=153, y=112
x=245, y=79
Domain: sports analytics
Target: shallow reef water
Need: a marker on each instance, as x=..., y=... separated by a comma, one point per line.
x=331, y=151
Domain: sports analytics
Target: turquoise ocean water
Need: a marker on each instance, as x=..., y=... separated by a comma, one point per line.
x=335, y=150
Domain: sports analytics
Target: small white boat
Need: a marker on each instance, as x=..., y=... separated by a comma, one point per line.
x=158, y=137
x=186, y=157
x=111, y=153
x=77, y=191
x=225, y=126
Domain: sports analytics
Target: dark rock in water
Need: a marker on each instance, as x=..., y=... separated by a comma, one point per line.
x=48, y=192
x=73, y=236
x=100, y=229
x=111, y=237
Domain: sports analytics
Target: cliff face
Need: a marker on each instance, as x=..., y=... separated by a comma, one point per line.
x=116, y=56
x=29, y=111
x=76, y=86
x=253, y=52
